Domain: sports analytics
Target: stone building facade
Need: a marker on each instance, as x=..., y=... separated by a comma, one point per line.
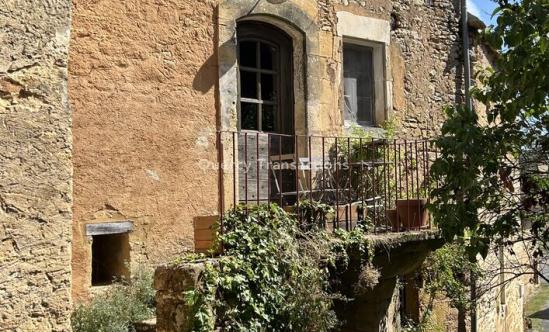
x=500, y=296
x=103, y=140
x=151, y=83
x=507, y=280
x=504, y=289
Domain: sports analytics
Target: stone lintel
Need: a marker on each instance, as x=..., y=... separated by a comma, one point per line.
x=109, y=228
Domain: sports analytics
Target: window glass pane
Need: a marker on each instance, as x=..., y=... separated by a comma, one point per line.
x=269, y=118
x=267, y=56
x=248, y=114
x=267, y=87
x=248, y=84
x=358, y=73
x=248, y=55
x=365, y=110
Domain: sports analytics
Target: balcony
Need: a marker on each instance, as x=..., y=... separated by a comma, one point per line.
x=380, y=184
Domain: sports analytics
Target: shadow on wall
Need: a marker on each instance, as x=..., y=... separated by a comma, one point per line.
x=206, y=77
x=208, y=74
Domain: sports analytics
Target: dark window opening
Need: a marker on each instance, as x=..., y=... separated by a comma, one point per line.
x=358, y=84
x=110, y=256
x=409, y=307
x=265, y=80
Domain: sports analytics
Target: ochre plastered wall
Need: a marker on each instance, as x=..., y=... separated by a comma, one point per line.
x=142, y=90
x=35, y=166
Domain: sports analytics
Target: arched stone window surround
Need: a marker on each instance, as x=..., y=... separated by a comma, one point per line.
x=300, y=26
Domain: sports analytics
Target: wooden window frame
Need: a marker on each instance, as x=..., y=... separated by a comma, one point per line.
x=262, y=33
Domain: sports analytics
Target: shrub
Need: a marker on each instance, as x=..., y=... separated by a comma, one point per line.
x=449, y=270
x=275, y=274
x=267, y=281
x=123, y=303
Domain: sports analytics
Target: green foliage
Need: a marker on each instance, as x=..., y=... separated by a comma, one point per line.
x=264, y=281
x=273, y=276
x=351, y=242
x=519, y=83
x=460, y=169
x=353, y=154
x=390, y=127
x=490, y=176
x=313, y=215
x=449, y=270
x=426, y=324
x=123, y=303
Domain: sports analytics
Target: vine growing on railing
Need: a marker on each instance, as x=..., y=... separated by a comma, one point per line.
x=273, y=275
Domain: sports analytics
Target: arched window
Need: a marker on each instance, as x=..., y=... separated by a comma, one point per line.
x=265, y=78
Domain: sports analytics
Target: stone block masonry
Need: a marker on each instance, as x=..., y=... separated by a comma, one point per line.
x=35, y=166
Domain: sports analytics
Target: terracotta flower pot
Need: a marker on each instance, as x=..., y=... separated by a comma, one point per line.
x=413, y=213
x=352, y=212
x=392, y=217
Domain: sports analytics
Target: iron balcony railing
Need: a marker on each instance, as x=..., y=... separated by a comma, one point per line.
x=379, y=183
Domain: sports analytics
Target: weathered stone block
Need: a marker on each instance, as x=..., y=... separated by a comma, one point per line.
x=171, y=282
x=177, y=278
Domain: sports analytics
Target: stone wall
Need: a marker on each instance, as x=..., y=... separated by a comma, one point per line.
x=482, y=57
x=499, y=299
x=425, y=57
x=36, y=168
x=503, y=293
x=171, y=283
x=427, y=40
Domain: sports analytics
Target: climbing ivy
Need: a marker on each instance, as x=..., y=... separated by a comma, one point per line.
x=273, y=275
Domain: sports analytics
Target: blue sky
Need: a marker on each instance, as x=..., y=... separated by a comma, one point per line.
x=482, y=9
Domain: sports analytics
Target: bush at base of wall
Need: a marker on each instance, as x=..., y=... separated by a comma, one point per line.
x=121, y=305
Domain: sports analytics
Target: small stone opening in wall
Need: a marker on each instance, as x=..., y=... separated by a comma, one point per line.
x=110, y=258
x=395, y=21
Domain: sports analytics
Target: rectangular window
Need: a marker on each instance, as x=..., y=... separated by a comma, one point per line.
x=358, y=84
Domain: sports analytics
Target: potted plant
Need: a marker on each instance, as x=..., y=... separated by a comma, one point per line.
x=413, y=213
